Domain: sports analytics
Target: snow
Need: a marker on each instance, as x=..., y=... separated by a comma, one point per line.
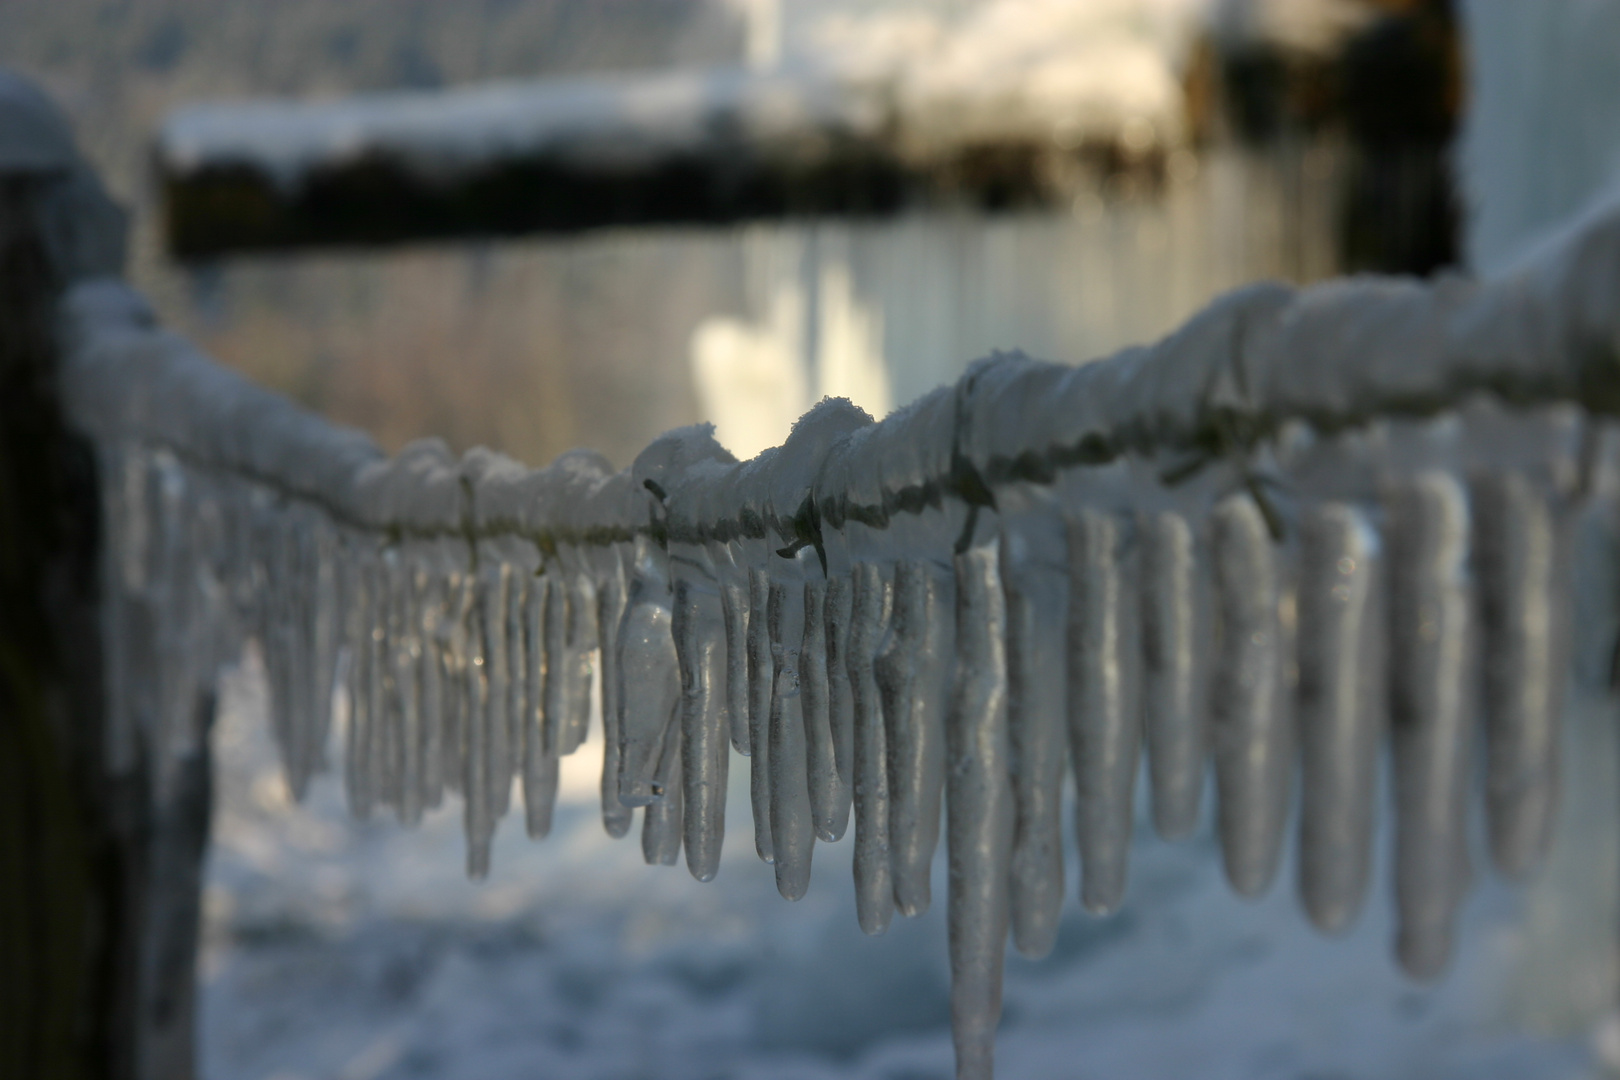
x=357, y=951
x=605, y=122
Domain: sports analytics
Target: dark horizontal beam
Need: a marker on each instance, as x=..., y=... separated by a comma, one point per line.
x=218, y=209
x=701, y=148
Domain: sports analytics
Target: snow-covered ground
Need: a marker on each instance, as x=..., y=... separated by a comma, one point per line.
x=357, y=951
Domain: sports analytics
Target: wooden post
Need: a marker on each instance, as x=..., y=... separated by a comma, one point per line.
x=99, y=882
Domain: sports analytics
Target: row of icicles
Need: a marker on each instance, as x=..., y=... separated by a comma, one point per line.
x=1057, y=642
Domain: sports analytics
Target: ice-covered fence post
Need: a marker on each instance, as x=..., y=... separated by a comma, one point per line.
x=99, y=882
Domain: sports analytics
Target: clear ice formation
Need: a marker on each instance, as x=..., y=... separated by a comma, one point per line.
x=1306, y=526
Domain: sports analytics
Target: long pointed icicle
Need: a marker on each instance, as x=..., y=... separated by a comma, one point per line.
x=517, y=679
x=979, y=814
x=1038, y=736
x=1249, y=729
x=829, y=799
x=557, y=663
x=1518, y=561
x=874, y=881
x=761, y=677
x=705, y=746
x=374, y=750
x=540, y=766
x=840, y=705
x=430, y=613
x=356, y=757
x=793, y=834
x=406, y=658
x=1340, y=709
x=497, y=672
x=478, y=822
x=734, y=609
x=1172, y=709
x=616, y=817
x=1104, y=728
x=1431, y=729
x=459, y=691
x=327, y=630
x=910, y=675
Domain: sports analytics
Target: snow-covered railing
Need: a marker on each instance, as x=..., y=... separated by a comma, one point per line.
x=1307, y=522
x=549, y=156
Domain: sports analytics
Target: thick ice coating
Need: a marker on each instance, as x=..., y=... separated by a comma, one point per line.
x=1304, y=524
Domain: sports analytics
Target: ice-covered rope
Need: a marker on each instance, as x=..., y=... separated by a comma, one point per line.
x=1307, y=523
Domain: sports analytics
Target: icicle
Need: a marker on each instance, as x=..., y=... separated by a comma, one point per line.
x=1340, y=699
x=1037, y=744
x=1171, y=706
x=874, y=882
x=305, y=667
x=478, y=819
x=285, y=641
x=793, y=835
x=539, y=764
x=379, y=687
x=1104, y=728
x=357, y=755
x=1524, y=672
x=277, y=627
x=1429, y=660
x=269, y=631
x=761, y=678
x=829, y=798
x=583, y=639
x=705, y=750
x=979, y=813
x=458, y=634
x=911, y=673
x=495, y=592
x=840, y=707
x=661, y=824
x=326, y=614
x=616, y=816
x=649, y=673
x=428, y=588
x=1249, y=732
x=406, y=656
x=734, y=609
x=555, y=718
x=517, y=675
